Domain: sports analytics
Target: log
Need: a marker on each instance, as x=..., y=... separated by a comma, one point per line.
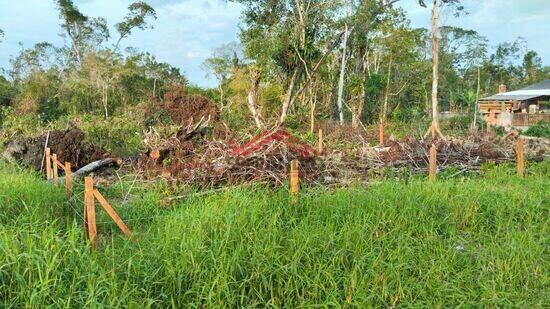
x=94, y=166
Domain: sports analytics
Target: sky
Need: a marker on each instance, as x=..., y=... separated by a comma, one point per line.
x=186, y=31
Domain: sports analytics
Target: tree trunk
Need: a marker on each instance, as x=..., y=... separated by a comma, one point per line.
x=342, y=78
x=105, y=98
x=253, y=99
x=474, y=124
x=386, y=95
x=434, y=128
x=289, y=97
x=312, y=106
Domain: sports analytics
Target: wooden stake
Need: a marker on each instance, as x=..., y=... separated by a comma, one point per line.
x=90, y=209
x=113, y=214
x=433, y=163
x=55, y=171
x=68, y=179
x=381, y=133
x=48, y=164
x=520, y=157
x=294, y=178
x=321, y=146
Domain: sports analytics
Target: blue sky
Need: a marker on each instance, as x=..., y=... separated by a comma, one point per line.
x=187, y=30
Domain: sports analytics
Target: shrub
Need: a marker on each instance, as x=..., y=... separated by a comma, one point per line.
x=540, y=129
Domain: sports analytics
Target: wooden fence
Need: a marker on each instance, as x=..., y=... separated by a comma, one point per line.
x=90, y=196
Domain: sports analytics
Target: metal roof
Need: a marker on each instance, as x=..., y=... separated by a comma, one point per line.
x=533, y=91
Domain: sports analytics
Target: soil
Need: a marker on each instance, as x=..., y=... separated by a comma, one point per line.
x=69, y=145
x=185, y=109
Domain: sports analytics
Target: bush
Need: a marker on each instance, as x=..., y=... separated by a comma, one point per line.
x=540, y=129
x=120, y=135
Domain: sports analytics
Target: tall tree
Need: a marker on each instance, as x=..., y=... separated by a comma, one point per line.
x=138, y=12
x=288, y=41
x=434, y=128
x=85, y=33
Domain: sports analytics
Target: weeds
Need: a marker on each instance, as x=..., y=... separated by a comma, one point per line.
x=478, y=241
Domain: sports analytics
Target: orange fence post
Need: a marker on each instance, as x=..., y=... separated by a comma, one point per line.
x=520, y=157
x=55, y=171
x=68, y=179
x=113, y=214
x=90, y=209
x=433, y=163
x=294, y=178
x=48, y=164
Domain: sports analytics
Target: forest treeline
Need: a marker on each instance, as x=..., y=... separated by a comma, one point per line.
x=297, y=62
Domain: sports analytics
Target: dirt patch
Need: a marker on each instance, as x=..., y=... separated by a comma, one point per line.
x=69, y=145
x=184, y=109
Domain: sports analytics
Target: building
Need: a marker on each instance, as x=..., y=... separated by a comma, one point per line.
x=520, y=108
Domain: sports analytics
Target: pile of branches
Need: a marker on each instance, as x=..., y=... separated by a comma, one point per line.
x=211, y=165
x=195, y=160
x=468, y=153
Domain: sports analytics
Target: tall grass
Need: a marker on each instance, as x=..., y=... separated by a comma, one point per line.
x=480, y=241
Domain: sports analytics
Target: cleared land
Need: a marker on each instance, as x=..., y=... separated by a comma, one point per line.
x=478, y=240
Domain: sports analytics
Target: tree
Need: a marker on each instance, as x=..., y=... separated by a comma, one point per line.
x=136, y=18
x=285, y=40
x=532, y=66
x=1, y=35
x=434, y=128
x=84, y=32
x=222, y=63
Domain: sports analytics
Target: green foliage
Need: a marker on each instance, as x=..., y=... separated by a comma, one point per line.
x=6, y=92
x=540, y=129
x=121, y=136
x=474, y=242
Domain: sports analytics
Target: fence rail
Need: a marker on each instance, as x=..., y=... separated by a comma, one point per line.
x=529, y=119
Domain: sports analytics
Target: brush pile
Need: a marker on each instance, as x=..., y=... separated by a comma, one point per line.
x=192, y=159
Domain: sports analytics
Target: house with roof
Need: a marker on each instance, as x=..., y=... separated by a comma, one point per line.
x=519, y=108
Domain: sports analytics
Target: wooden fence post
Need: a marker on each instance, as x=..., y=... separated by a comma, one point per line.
x=520, y=157
x=294, y=178
x=55, y=171
x=112, y=213
x=90, y=209
x=381, y=133
x=68, y=179
x=48, y=164
x=321, y=146
x=433, y=163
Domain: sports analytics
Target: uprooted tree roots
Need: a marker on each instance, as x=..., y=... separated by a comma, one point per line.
x=69, y=145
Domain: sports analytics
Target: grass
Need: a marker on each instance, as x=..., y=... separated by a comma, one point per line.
x=468, y=241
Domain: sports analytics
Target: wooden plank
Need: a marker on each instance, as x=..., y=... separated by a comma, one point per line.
x=48, y=164
x=433, y=163
x=90, y=209
x=294, y=177
x=520, y=157
x=60, y=165
x=113, y=214
x=68, y=179
x=55, y=173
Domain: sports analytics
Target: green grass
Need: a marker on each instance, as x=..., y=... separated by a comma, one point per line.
x=468, y=241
